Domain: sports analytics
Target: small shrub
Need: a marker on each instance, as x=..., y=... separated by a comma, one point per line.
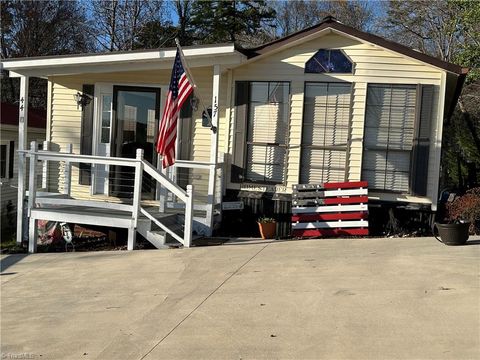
x=466, y=208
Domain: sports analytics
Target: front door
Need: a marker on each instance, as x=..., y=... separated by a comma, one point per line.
x=135, y=126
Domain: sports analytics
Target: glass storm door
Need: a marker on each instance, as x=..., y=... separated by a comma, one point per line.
x=135, y=118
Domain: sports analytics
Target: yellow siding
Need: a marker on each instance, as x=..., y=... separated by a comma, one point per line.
x=372, y=65
x=65, y=126
x=9, y=187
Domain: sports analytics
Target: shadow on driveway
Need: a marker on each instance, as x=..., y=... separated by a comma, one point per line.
x=10, y=260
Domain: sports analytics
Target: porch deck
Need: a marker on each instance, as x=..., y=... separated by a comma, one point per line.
x=169, y=216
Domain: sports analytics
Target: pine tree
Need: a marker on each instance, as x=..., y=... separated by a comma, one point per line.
x=229, y=21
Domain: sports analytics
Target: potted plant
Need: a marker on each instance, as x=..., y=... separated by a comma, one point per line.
x=463, y=217
x=267, y=227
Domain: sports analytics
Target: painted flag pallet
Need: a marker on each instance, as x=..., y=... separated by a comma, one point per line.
x=330, y=209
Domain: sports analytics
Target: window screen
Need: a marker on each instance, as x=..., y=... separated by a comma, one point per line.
x=325, y=132
x=389, y=136
x=267, y=131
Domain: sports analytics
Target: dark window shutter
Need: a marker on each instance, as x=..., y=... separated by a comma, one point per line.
x=86, y=139
x=11, y=155
x=240, y=130
x=421, y=146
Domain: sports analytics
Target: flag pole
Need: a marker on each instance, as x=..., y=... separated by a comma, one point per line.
x=185, y=65
x=192, y=81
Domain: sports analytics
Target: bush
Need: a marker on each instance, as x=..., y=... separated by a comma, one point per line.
x=467, y=208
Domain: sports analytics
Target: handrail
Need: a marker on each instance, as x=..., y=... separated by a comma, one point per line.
x=162, y=226
x=138, y=163
x=92, y=159
x=192, y=164
x=163, y=180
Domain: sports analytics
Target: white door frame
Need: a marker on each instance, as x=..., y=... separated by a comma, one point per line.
x=106, y=88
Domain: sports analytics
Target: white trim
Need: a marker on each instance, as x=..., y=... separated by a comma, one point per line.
x=437, y=145
x=94, y=59
x=144, y=60
x=21, y=162
x=49, y=110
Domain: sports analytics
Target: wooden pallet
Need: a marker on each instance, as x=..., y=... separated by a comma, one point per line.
x=330, y=209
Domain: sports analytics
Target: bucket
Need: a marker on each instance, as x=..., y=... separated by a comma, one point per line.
x=452, y=234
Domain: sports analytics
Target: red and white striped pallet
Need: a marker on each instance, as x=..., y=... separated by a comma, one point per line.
x=330, y=209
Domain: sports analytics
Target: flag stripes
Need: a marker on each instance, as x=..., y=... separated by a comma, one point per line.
x=179, y=90
x=330, y=209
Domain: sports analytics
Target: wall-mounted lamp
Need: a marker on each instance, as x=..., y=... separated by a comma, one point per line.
x=82, y=99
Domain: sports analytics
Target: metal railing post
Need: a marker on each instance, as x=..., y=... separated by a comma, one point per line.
x=46, y=147
x=163, y=194
x=32, y=189
x=67, y=186
x=188, y=218
x=137, y=197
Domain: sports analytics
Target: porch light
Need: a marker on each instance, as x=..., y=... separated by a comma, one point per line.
x=82, y=99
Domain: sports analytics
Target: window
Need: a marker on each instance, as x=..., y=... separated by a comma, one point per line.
x=3, y=161
x=7, y=153
x=325, y=132
x=106, y=118
x=268, y=114
x=389, y=136
x=329, y=61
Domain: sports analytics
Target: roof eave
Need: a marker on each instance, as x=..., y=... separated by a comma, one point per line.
x=225, y=54
x=360, y=35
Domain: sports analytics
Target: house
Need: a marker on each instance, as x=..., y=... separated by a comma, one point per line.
x=8, y=147
x=329, y=103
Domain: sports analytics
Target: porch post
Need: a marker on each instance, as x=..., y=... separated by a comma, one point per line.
x=22, y=145
x=213, y=148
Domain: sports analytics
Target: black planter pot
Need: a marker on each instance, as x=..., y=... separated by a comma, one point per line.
x=452, y=234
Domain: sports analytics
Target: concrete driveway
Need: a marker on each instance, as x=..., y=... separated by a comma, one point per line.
x=311, y=299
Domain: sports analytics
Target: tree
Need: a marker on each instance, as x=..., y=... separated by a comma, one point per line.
x=183, y=11
x=34, y=28
x=230, y=21
x=297, y=15
x=116, y=24
x=155, y=34
x=449, y=30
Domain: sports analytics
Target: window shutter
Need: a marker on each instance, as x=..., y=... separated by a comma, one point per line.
x=241, y=113
x=85, y=176
x=11, y=155
x=421, y=145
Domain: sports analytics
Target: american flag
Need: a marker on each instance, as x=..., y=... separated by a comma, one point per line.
x=179, y=90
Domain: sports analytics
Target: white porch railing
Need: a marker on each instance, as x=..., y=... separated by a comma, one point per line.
x=46, y=195
x=208, y=179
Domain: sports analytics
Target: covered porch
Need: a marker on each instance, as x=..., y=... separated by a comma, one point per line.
x=97, y=163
